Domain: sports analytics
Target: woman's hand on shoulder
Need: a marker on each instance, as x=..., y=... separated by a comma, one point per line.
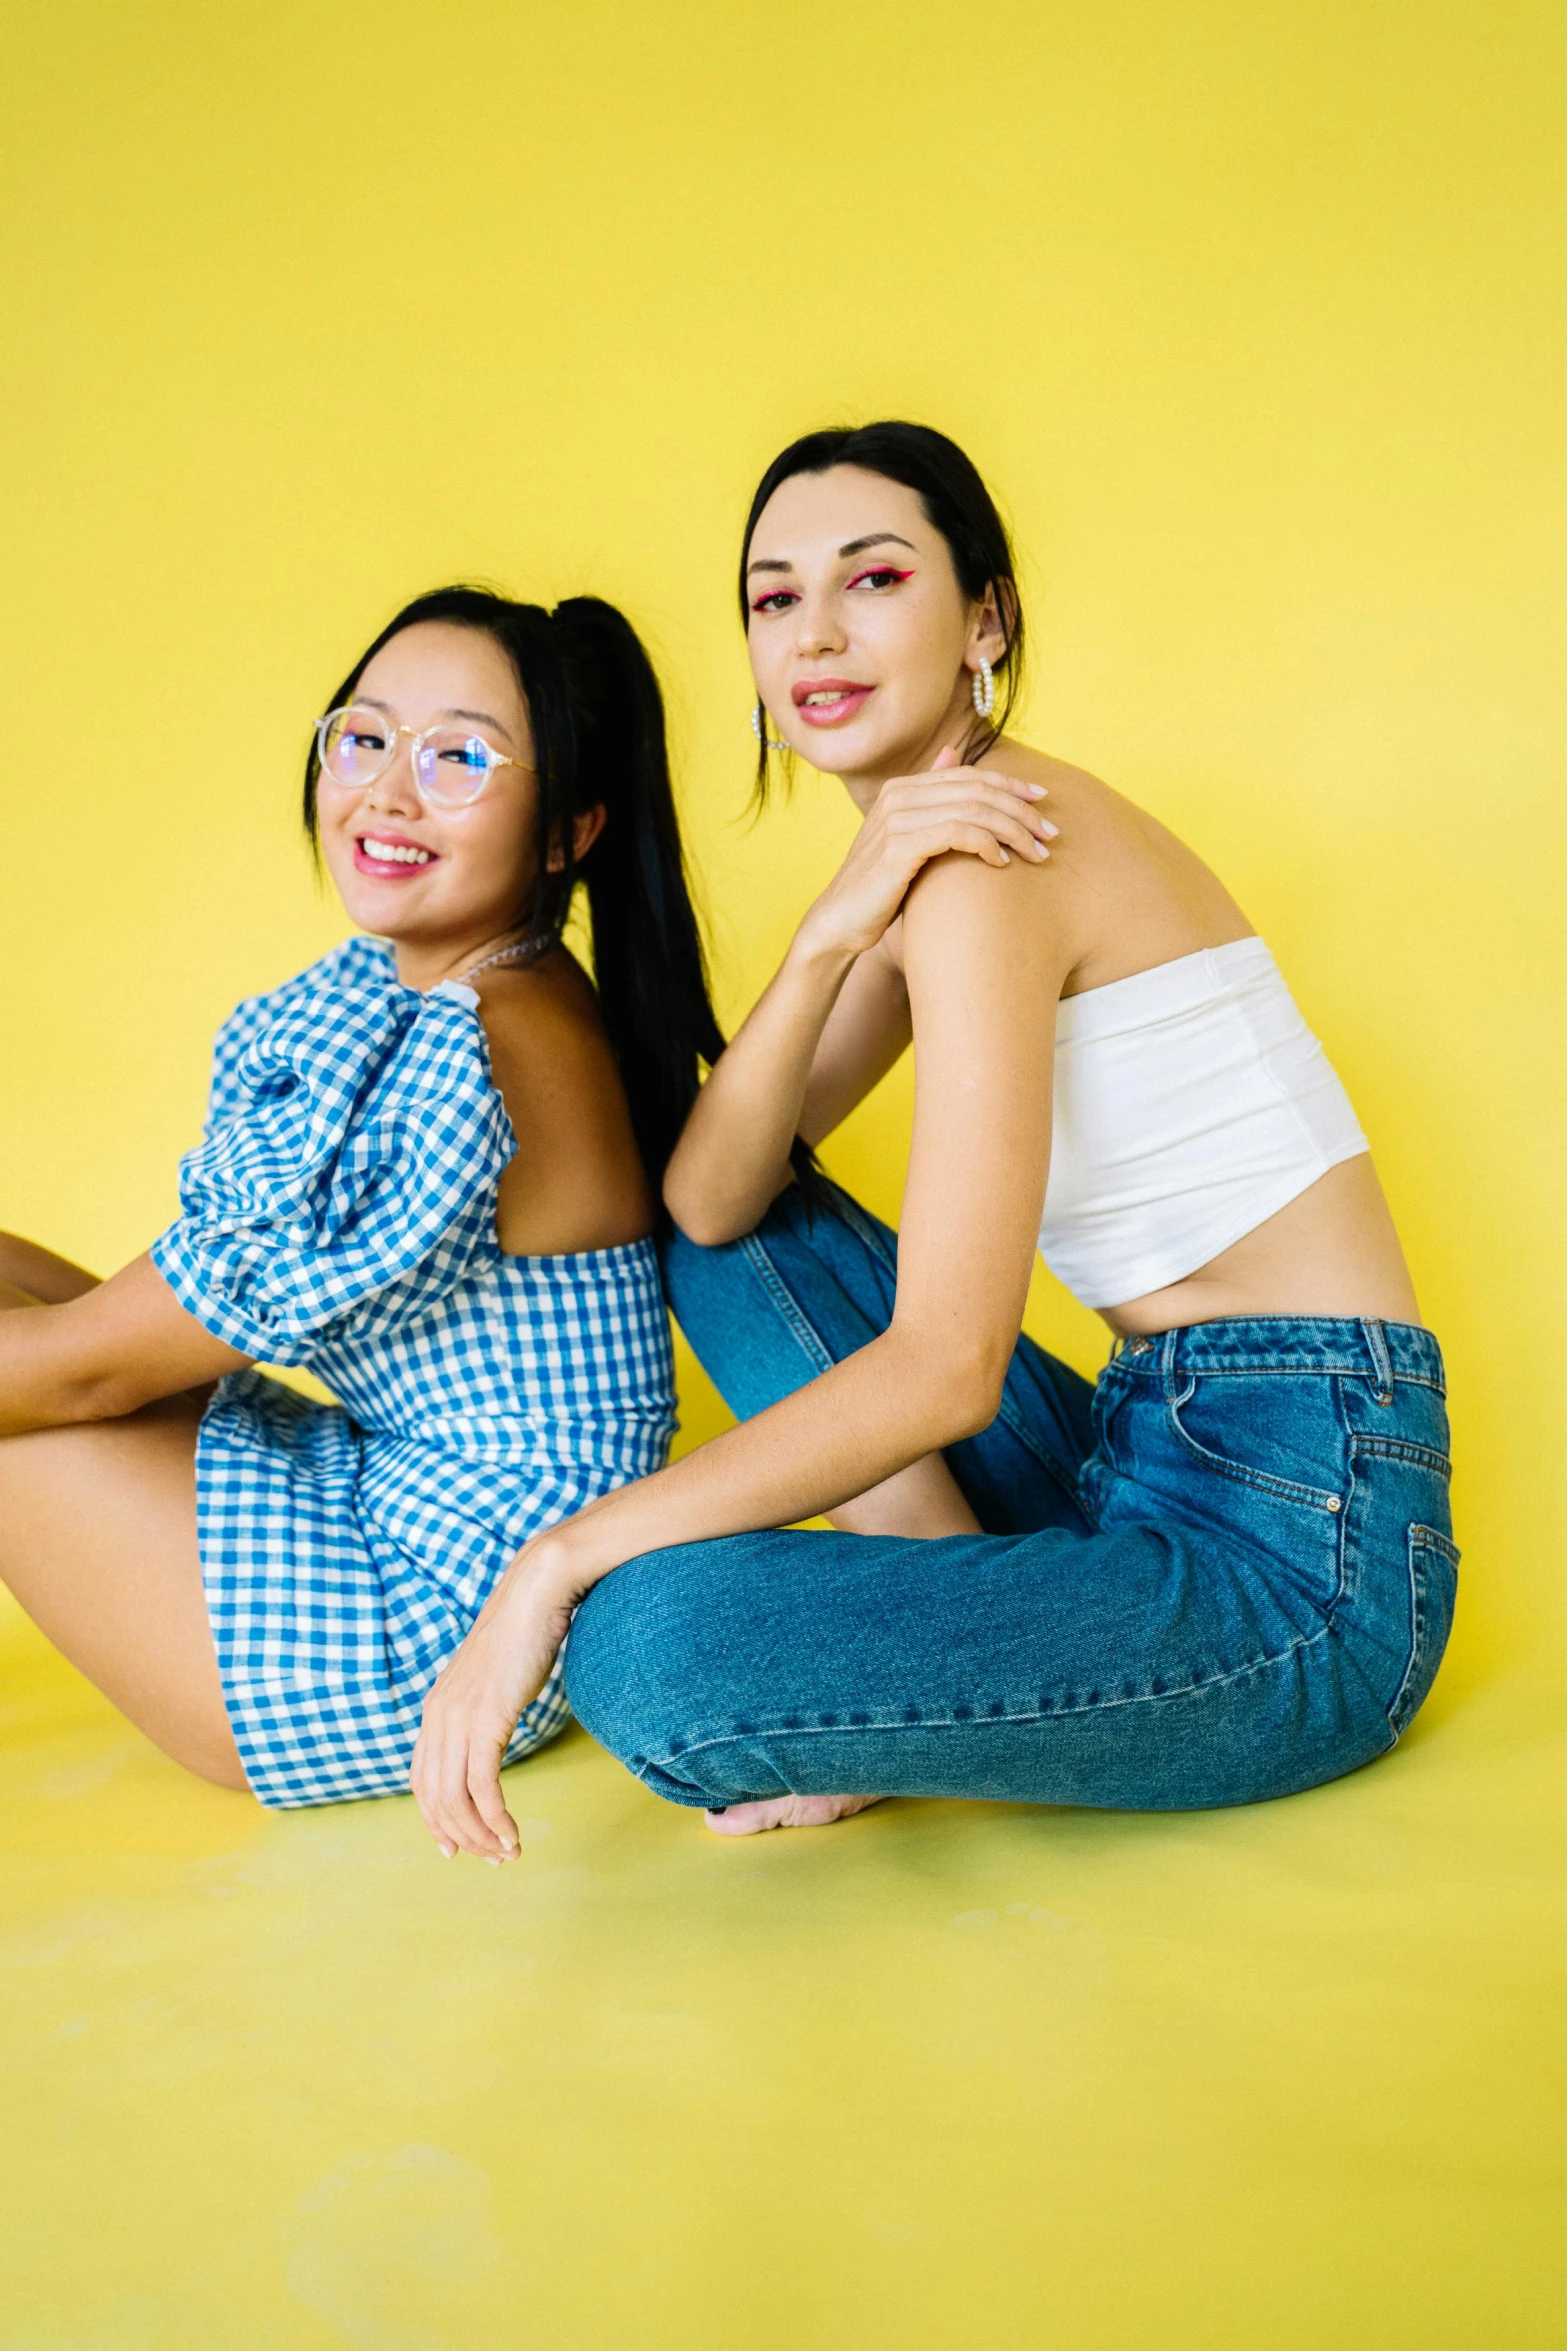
x=977, y=812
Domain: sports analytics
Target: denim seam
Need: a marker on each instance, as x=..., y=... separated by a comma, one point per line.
x=853, y=1215
x=1376, y=1343
x=983, y=1721
x=1419, y=1628
x=1277, y=1371
x=1016, y=1421
x=1403, y=1449
x=778, y=1290
x=1344, y=1518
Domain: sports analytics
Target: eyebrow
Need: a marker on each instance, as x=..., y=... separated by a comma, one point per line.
x=876, y=539
x=485, y=718
x=850, y=547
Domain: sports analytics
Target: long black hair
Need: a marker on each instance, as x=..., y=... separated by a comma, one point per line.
x=956, y=503
x=598, y=731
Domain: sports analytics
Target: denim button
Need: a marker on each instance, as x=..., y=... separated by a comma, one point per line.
x=1139, y=1347
x=1334, y=1502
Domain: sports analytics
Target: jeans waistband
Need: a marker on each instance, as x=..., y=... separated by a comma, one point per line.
x=1376, y=1351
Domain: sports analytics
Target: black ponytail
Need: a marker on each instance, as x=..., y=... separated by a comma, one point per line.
x=598, y=730
x=647, y=951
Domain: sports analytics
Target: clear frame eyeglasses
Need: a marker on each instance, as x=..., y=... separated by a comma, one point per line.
x=451, y=764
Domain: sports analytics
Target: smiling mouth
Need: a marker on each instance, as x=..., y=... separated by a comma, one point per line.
x=390, y=857
x=827, y=701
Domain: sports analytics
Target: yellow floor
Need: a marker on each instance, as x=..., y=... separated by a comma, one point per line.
x=946, y=2075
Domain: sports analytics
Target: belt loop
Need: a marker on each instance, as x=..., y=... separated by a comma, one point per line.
x=1381, y=1361
x=1167, y=1364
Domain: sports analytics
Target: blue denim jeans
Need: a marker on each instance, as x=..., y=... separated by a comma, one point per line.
x=1223, y=1573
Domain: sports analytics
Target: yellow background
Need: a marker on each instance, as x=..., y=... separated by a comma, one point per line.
x=1252, y=313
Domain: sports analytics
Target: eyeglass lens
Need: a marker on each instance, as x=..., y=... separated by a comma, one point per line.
x=451, y=766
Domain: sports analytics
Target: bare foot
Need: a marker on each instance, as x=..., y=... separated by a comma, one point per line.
x=785, y=1812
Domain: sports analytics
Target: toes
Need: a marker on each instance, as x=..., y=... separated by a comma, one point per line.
x=744, y=1820
x=847, y=1806
x=785, y=1812
x=813, y=1812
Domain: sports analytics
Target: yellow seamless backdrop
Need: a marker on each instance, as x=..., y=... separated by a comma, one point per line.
x=1252, y=313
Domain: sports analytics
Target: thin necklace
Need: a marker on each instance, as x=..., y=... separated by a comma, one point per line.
x=525, y=951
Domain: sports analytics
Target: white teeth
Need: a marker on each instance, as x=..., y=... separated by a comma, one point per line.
x=813, y=701
x=395, y=852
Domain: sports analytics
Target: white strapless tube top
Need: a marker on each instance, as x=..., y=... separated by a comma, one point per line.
x=1191, y=1103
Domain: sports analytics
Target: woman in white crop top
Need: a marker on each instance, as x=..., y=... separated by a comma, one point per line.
x=1224, y=1573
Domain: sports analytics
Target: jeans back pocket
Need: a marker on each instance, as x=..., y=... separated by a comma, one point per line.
x=1433, y=1591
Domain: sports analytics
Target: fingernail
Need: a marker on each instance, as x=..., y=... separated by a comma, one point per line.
x=1048, y=829
x=493, y=1859
x=1039, y=791
x=1005, y=858
x=448, y=1852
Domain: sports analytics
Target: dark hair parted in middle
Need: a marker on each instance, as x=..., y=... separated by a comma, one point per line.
x=956, y=503
x=598, y=730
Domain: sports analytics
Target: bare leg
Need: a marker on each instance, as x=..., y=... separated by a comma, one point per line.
x=98, y=1543
x=51, y=1280
x=924, y=1500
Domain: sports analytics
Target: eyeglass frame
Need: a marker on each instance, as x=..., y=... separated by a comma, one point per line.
x=395, y=729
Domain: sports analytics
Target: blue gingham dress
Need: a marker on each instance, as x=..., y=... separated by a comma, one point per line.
x=340, y=1215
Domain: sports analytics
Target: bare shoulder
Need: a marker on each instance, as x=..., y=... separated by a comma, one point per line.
x=535, y=1013
x=577, y=1180
x=965, y=919
x=1130, y=892
x=1076, y=795
x=1095, y=809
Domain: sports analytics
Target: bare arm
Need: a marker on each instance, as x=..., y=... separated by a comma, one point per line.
x=827, y=1027
x=869, y=1030
x=984, y=971
x=835, y=1018
x=122, y=1344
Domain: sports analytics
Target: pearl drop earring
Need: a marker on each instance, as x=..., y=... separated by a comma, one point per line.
x=982, y=685
x=759, y=730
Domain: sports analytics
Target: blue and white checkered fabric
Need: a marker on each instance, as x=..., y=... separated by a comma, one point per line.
x=340, y=1215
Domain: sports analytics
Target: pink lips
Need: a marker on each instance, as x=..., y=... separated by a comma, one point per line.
x=391, y=869
x=849, y=699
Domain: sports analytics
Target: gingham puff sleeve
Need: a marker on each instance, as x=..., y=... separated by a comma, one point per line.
x=354, y=1139
x=358, y=963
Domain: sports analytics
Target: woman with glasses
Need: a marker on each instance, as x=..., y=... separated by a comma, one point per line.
x=429, y=1176
x=1226, y=1572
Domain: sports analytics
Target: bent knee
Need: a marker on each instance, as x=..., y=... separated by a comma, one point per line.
x=632, y=1662
x=205, y=1758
